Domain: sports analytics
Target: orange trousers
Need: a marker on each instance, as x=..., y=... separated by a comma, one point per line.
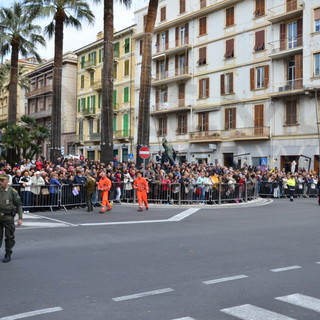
x=105, y=199
x=142, y=198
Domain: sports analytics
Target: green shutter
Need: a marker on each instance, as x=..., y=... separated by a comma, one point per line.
x=79, y=105
x=116, y=49
x=82, y=61
x=114, y=99
x=99, y=100
x=126, y=94
x=94, y=104
x=83, y=104
x=125, y=125
x=114, y=123
x=127, y=45
x=88, y=103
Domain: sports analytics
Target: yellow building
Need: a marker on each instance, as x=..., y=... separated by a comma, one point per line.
x=89, y=95
x=29, y=64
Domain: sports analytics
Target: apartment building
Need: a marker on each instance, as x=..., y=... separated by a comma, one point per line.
x=28, y=64
x=236, y=81
x=89, y=96
x=39, y=100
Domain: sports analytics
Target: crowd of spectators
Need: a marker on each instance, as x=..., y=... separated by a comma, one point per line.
x=41, y=179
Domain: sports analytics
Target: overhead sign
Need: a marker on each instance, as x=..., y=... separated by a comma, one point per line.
x=144, y=152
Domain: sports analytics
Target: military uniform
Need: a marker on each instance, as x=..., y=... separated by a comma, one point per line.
x=10, y=203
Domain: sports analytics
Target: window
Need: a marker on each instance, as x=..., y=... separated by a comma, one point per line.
x=114, y=100
x=202, y=56
x=291, y=35
x=258, y=119
x=230, y=17
x=202, y=26
x=99, y=100
x=93, y=103
x=101, y=55
x=91, y=78
x=203, y=4
x=126, y=67
x=203, y=88
x=260, y=42
x=82, y=82
x=162, y=41
x=203, y=121
x=162, y=126
x=115, y=70
x=116, y=49
x=317, y=20
x=162, y=68
x=98, y=125
x=226, y=83
x=181, y=94
x=91, y=126
x=230, y=118
x=260, y=8
x=161, y=98
x=83, y=59
x=181, y=64
x=126, y=45
x=140, y=47
x=259, y=77
x=317, y=65
x=92, y=57
x=182, y=35
x=126, y=94
x=163, y=14
x=229, y=49
x=182, y=6
x=291, y=112
x=182, y=124
x=114, y=123
x=163, y=95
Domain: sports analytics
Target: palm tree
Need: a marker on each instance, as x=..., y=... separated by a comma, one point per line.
x=5, y=70
x=63, y=13
x=145, y=79
x=19, y=35
x=107, y=82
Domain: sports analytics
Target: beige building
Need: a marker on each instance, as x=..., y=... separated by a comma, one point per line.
x=89, y=97
x=39, y=100
x=28, y=64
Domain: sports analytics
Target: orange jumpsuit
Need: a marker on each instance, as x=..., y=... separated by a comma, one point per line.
x=104, y=185
x=142, y=188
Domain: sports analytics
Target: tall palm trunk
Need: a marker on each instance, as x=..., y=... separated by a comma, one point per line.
x=145, y=80
x=13, y=85
x=107, y=86
x=55, y=151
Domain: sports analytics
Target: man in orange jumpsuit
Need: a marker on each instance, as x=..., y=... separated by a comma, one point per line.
x=142, y=188
x=104, y=185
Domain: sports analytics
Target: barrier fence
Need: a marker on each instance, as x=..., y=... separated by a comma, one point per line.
x=68, y=196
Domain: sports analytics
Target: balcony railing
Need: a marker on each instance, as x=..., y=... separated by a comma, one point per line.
x=95, y=136
x=97, y=85
x=88, y=112
x=166, y=106
x=40, y=91
x=172, y=75
x=121, y=134
x=284, y=47
x=288, y=87
x=287, y=10
x=41, y=114
x=172, y=47
x=89, y=63
x=253, y=133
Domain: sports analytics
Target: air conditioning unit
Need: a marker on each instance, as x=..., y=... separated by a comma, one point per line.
x=285, y=88
x=163, y=106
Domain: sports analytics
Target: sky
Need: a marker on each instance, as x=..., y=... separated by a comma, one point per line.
x=74, y=39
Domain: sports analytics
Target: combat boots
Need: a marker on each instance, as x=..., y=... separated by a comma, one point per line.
x=7, y=258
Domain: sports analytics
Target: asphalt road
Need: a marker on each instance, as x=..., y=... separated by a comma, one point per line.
x=244, y=262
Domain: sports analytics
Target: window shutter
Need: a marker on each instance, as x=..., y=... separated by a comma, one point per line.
x=291, y=5
x=206, y=121
x=126, y=94
x=186, y=33
x=177, y=36
x=222, y=88
x=94, y=103
x=202, y=26
x=88, y=103
x=266, y=76
x=145, y=21
x=262, y=7
x=79, y=105
x=199, y=121
x=203, y=4
x=230, y=17
x=158, y=42
x=229, y=49
x=141, y=47
x=99, y=100
x=187, y=62
x=283, y=35
x=234, y=115
x=317, y=14
x=258, y=115
x=259, y=45
x=176, y=65
x=166, y=94
x=200, y=89
x=202, y=56
x=226, y=119
x=299, y=32
x=163, y=14
x=252, y=79
x=167, y=64
x=157, y=96
x=114, y=99
x=182, y=6
x=298, y=71
x=207, y=88
x=114, y=123
x=167, y=39
x=231, y=82
x=157, y=68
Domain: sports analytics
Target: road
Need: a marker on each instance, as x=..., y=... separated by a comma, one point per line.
x=256, y=262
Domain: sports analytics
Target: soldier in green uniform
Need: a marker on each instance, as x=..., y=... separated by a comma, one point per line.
x=10, y=203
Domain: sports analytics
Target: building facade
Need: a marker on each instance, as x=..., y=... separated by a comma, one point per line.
x=39, y=100
x=89, y=96
x=236, y=81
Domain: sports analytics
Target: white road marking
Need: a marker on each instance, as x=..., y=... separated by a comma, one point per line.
x=42, y=224
x=32, y=313
x=285, y=269
x=142, y=294
x=56, y=220
x=250, y=312
x=184, y=214
x=318, y=262
x=185, y=318
x=122, y=222
x=302, y=301
x=242, y=276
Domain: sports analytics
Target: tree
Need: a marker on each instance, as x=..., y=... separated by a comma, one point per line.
x=5, y=70
x=107, y=82
x=19, y=35
x=145, y=79
x=26, y=139
x=63, y=13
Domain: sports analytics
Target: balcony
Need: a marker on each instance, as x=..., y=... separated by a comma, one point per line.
x=95, y=136
x=174, y=75
x=121, y=135
x=173, y=47
x=286, y=11
x=288, y=88
x=39, y=91
x=97, y=86
x=253, y=133
x=91, y=112
x=89, y=64
x=41, y=114
x=79, y=138
x=165, y=107
x=283, y=48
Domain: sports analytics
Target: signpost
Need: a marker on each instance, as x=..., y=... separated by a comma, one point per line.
x=144, y=154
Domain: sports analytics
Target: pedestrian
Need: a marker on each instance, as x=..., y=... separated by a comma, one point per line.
x=142, y=188
x=104, y=185
x=10, y=203
x=90, y=187
x=292, y=186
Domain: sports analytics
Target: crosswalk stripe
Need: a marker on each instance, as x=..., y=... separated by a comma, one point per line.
x=285, y=269
x=250, y=312
x=242, y=276
x=185, y=318
x=302, y=301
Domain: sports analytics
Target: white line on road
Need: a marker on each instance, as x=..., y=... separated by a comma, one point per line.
x=42, y=224
x=285, y=269
x=185, y=318
x=32, y=313
x=318, y=262
x=302, y=301
x=142, y=294
x=56, y=220
x=122, y=222
x=184, y=214
x=250, y=312
x=242, y=276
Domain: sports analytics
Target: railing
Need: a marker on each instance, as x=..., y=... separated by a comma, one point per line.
x=289, y=85
x=97, y=85
x=291, y=44
x=90, y=111
x=184, y=71
x=286, y=7
x=41, y=114
x=160, y=106
x=172, y=46
x=121, y=134
x=95, y=136
x=89, y=63
x=39, y=91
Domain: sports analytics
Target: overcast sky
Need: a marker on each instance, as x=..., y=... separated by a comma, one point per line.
x=74, y=39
